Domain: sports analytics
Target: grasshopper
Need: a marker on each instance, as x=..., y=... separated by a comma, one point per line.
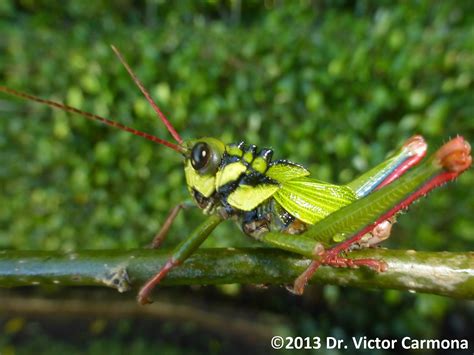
x=279, y=204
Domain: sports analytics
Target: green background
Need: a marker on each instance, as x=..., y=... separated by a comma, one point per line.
x=332, y=85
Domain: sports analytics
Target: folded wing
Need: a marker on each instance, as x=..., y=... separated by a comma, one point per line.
x=311, y=200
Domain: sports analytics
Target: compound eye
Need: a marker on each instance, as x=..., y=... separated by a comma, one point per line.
x=200, y=155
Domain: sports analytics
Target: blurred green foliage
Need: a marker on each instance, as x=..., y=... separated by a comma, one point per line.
x=331, y=85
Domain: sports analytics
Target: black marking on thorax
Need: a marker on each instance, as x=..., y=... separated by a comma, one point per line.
x=237, y=153
x=250, y=176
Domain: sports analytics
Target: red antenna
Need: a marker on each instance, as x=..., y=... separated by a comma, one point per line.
x=175, y=147
x=148, y=97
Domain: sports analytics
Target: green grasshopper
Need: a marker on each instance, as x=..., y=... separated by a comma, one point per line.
x=279, y=204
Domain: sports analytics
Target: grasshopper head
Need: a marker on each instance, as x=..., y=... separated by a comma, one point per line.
x=201, y=163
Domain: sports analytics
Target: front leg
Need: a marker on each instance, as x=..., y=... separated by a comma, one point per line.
x=179, y=255
x=163, y=232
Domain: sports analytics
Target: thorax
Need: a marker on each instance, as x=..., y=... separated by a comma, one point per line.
x=242, y=191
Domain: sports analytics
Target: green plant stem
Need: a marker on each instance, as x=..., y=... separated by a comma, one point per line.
x=443, y=273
